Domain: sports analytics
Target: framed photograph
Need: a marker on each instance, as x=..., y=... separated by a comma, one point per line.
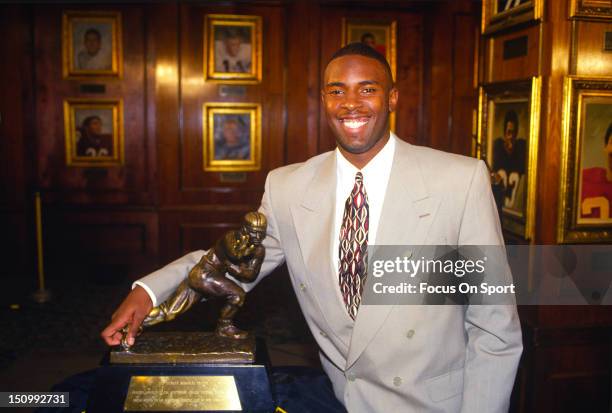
x=381, y=35
x=509, y=124
x=591, y=9
x=585, y=195
x=91, y=44
x=94, y=132
x=232, y=48
x=232, y=137
x=501, y=14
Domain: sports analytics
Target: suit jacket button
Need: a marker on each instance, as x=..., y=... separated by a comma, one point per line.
x=302, y=287
x=397, y=381
x=323, y=333
x=410, y=333
x=350, y=377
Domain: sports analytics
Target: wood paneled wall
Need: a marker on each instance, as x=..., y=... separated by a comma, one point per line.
x=129, y=184
x=16, y=142
x=161, y=203
x=566, y=360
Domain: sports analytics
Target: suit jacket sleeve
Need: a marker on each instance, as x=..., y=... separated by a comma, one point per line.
x=163, y=282
x=494, y=333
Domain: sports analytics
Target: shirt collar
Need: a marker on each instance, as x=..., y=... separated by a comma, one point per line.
x=381, y=162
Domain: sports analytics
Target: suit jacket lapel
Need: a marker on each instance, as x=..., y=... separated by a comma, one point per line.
x=314, y=223
x=407, y=214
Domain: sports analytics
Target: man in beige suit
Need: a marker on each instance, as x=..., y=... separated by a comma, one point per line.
x=380, y=358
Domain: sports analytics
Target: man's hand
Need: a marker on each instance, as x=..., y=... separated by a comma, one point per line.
x=131, y=313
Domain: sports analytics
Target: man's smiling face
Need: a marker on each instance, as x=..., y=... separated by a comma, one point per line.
x=358, y=96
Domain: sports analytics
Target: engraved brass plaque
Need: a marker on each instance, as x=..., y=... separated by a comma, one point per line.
x=182, y=393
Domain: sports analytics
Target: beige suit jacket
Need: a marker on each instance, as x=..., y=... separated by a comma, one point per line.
x=392, y=358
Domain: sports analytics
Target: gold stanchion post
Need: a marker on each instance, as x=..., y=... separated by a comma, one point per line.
x=41, y=295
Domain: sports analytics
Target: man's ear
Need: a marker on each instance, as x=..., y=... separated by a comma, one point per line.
x=393, y=95
x=323, y=96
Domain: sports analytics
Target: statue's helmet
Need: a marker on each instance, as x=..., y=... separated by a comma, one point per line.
x=256, y=221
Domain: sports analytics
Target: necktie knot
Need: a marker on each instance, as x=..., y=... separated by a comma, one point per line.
x=358, y=194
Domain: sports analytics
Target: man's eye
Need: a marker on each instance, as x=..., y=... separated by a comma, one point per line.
x=369, y=90
x=335, y=92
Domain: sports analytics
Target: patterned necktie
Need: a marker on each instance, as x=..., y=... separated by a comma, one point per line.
x=354, y=246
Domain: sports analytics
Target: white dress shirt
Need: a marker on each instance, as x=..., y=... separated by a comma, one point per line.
x=375, y=179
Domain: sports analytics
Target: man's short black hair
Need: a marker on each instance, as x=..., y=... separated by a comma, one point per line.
x=608, y=135
x=361, y=49
x=511, y=116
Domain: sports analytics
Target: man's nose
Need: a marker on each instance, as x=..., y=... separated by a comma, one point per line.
x=351, y=101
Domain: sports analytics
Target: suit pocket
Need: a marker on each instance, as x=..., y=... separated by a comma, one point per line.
x=445, y=386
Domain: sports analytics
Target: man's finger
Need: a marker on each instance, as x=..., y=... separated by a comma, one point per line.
x=108, y=331
x=111, y=329
x=114, y=326
x=121, y=321
x=114, y=340
x=133, y=328
x=111, y=336
x=117, y=337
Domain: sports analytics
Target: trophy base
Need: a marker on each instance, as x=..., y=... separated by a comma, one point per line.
x=183, y=386
x=180, y=347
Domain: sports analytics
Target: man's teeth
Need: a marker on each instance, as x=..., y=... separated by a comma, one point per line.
x=354, y=124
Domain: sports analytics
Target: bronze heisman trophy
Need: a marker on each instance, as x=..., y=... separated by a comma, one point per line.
x=238, y=253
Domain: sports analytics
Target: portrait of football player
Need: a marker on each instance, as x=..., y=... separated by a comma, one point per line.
x=509, y=154
x=93, y=135
x=374, y=34
x=92, y=139
x=596, y=185
x=233, y=49
x=232, y=139
x=93, y=46
x=370, y=39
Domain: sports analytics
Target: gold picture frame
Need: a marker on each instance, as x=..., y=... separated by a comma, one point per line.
x=370, y=31
x=231, y=137
x=508, y=134
x=499, y=15
x=585, y=192
x=93, y=132
x=92, y=44
x=591, y=9
x=232, y=48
